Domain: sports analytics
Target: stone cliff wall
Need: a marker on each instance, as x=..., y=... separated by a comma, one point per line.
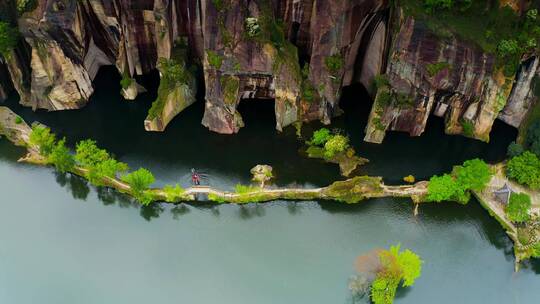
x=300, y=53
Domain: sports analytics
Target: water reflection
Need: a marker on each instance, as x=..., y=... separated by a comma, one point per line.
x=179, y=210
x=152, y=211
x=77, y=186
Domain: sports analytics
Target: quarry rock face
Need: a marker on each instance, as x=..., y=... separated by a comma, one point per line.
x=299, y=53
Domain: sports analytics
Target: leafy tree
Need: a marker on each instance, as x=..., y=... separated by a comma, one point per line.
x=514, y=149
x=107, y=168
x=442, y=188
x=336, y=144
x=42, y=137
x=518, y=207
x=525, y=169
x=172, y=193
x=396, y=267
x=8, y=38
x=320, y=137
x=139, y=181
x=88, y=154
x=61, y=157
x=473, y=175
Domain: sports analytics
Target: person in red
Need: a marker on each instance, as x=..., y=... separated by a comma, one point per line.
x=195, y=178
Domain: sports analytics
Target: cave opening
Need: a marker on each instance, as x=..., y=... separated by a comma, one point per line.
x=356, y=103
x=258, y=113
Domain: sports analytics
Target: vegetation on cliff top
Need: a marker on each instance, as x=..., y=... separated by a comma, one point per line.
x=8, y=38
x=494, y=28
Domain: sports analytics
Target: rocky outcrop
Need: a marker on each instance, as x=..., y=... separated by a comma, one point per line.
x=300, y=53
x=5, y=82
x=522, y=97
x=448, y=77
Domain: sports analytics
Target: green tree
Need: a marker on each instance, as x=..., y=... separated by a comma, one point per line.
x=8, y=38
x=396, y=267
x=518, y=207
x=525, y=169
x=140, y=180
x=532, y=139
x=473, y=175
x=107, y=168
x=42, y=138
x=61, y=157
x=442, y=188
x=336, y=144
x=320, y=137
x=88, y=154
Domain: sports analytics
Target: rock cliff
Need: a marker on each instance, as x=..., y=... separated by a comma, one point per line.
x=299, y=53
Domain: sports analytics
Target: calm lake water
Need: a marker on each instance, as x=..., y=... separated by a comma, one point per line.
x=63, y=241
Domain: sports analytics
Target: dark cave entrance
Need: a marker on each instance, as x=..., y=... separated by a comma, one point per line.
x=356, y=103
x=258, y=113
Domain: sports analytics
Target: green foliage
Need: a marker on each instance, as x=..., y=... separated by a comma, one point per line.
x=496, y=29
x=173, y=193
x=525, y=169
x=214, y=59
x=434, y=68
x=396, y=267
x=253, y=29
x=230, y=86
x=336, y=144
x=532, y=139
x=380, y=81
x=61, y=157
x=126, y=81
x=468, y=128
x=518, y=207
x=24, y=6
x=535, y=250
x=474, y=174
x=42, y=138
x=334, y=64
x=18, y=120
x=243, y=189
x=445, y=188
x=98, y=162
x=140, y=180
x=320, y=137
x=107, y=168
x=88, y=154
x=308, y=90
x=514, y=149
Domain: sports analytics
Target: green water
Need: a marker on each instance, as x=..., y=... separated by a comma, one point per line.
x=63, y=241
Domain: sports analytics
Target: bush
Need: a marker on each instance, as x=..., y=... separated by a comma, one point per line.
x=320, y=137
x=514, y=149
x=472, y=175
x=445, y=188
x=139, y=181
x=468, y=128
x=8, y=38
x=409, y=179
x=508, y=48
x=518, y=207
x=475, y=174
x=88, y=154
x=396, y=267
x=18, y=120
x=333, y=64
x=42, y=138
x=243, y=189
x=126, y=81
x=336, y=144
x=214, y=59
x=173, y=193
x=525, y=169
x=61, y=157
